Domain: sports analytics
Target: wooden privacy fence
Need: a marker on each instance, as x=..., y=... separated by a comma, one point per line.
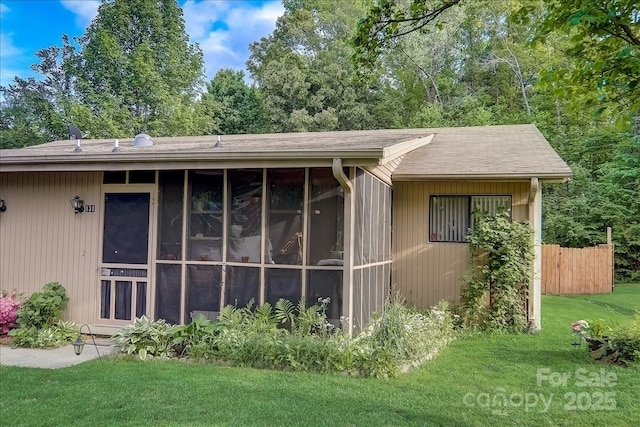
x=567, y=271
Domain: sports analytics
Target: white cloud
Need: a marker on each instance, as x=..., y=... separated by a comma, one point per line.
x=4, y=8
x=84, y=10
x=224, y=29
x=199, y=16
x=7, y=48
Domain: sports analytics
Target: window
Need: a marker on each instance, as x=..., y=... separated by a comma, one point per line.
x=450, y=217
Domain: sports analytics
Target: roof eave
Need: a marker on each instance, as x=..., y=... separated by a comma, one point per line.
x=397, y=150
x=544, y=177
x=76, y=161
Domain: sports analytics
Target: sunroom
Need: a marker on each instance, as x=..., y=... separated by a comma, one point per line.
x=183, y=226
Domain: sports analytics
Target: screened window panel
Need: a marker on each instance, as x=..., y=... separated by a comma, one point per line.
x=281, y=283
x=323, y=284
x=286, y=198
x=142, y=177
x=242, y=286
x=141, y=299
x=168, y=288
x=126, y=228
x=244, y=232
x=326, y=217
x=114, y=177
x=105, y=299
x=123, y=300
x=203, y=291
x=206, y=215
x=372, y=224
x=171, y=190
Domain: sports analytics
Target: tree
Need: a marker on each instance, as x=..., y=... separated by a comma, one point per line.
x=302, y=69
x=604, y=41
x=38, y=110
x=133, y=71
x=602, y=38
x=240, y=106
x=389, y=20
x=137, y=69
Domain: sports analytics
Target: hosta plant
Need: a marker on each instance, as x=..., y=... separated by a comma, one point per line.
x=146, y=337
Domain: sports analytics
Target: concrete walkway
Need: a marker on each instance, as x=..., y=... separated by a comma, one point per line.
x=54, y=358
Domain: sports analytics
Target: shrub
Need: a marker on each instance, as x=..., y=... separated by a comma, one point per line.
x=56, y=335
x=43, y=309
x=197, y=339
x=146, y=337
x=9, y=306
x=620, y=347
x=38, y=319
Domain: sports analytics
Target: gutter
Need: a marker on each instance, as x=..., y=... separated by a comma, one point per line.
x=349, y=235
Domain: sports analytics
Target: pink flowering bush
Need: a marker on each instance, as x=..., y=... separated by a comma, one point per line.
x=9, y=305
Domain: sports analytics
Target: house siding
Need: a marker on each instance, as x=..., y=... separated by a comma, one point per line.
x=43, y=240
x=385, y=171
x=423, y=272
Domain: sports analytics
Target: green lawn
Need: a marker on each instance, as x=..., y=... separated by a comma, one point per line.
x=451, y=390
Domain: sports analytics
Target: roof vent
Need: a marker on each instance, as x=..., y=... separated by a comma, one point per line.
x=142, y=140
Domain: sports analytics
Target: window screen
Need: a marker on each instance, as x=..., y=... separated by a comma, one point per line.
x=450, y=217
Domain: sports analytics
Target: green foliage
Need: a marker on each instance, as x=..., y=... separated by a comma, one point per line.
x=297, y=338
x=241, y=109
x=197, y=339
x=132, y=71
x=146, y=338
x=387, y=20
x=495, y=295
x=38, y=319
x=55, y=335
x=604, y=194
x=402, y=337
x=42, y=309
x=620, y=346
x=604, y=39
x=303, y=320
x=303, y=70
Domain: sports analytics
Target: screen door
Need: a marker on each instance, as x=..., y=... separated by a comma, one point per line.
x=125, y=256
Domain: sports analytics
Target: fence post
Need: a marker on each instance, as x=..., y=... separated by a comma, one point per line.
x=610, y=246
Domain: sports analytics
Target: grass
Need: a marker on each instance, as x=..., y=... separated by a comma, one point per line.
x=125, y=392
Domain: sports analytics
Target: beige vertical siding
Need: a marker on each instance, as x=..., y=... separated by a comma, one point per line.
x=424, y=272
x=42, y=240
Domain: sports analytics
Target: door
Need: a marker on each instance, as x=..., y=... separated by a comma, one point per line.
x=124, y=271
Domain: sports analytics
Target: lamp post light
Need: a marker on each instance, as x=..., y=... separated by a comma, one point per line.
x=78, y=344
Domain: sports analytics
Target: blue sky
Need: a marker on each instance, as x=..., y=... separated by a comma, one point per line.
x=222, y=28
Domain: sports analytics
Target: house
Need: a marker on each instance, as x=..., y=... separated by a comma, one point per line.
x=174, y=226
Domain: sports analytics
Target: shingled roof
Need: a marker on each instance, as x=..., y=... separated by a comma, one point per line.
x=513, y=151
x=483, y=152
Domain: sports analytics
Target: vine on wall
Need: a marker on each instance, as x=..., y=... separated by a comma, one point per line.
x=496, y=292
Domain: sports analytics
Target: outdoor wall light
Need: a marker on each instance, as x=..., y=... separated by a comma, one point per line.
x=77, y=204
x=78, y=344
x=3, y=207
